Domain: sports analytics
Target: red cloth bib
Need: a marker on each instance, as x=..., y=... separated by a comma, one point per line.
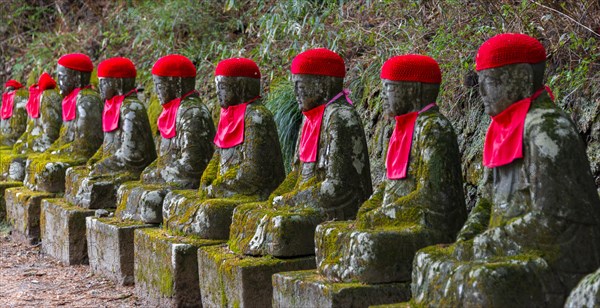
x=69, y=110
x=111, y=112
x=311, y=130
x=33, y=103
x=166, y=119
x=8, y=100
x=504, y=137
x=230, y=131
x=398, y=154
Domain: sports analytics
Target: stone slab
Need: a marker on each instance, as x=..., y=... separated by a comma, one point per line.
x=232, y=280
x=110, y=247
x=309, y=289
x=91, y=192
x=3, y=187
x=166, y=268
x=23, y=212
x=63, y=231
x=141, y=202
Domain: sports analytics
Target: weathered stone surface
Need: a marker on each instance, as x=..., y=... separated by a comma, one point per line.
x=12, y=128
x=93, y=192
x=40, y=133
x=110, y=247
x=231, y=280
x=78, y=141
x=308, y=289
x=586, y=293
x=141, y=202
x=23, y=212
x=63, y=231
x=3, y=187
x=259, y=229
x=165, y=268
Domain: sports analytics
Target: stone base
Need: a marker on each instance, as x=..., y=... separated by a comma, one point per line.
x=166, y=268
x=23, y=212
x=3, y=187
x=92, y=192
x=141, y=202
x=308, y=289
x=231, y=280
x=63, y=231
x=110, y=247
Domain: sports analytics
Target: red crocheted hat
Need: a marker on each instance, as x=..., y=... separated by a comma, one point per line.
x=46, y=82
x=509, y=48
x=174, y=66
x=237, y=67
x=416, y=68
x=319, y=61
x=77, y=61
x=13, y=83
x=117, y=67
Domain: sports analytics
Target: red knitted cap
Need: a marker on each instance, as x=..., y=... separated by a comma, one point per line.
x=509, y=48
x=237, y=67
x=117, y=67
x=46, y=82
x=77, y=61
x=416, y=68
x=174, y=66
x=319, y=61
x=13, y=83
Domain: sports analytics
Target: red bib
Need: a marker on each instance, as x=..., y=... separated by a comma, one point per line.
x=230, y=131
x=398, y=154
x=504, y=137
x=69, y=110
x=166, y=119
x=33, y=103
x=8, y=100
x=111, y=112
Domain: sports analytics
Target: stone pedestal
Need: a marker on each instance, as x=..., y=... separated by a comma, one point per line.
x=3, y=187
x=91, y=193
x=141, y=202
x=308, y=289
x=110, y=247
x=23, y=212
x=232, y=280
x=63, y=231
x=165, y=268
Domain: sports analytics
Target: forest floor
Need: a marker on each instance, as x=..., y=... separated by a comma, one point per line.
x=29, y=278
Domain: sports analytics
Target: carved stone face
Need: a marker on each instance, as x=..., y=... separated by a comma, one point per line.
x=500, y=87
x=69, y=79
x=315, y=90
x=110, y=87
x=233, y=91
x=401, y=97
x=170, y=88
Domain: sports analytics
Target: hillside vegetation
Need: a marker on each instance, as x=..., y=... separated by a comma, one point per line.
x=35, y=33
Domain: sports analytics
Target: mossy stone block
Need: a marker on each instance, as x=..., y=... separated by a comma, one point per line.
x=232, y=280
x=63, y=231
x=259, y=230
x=92, y=193
x=110, y=247
x=166, y=268
x=586, y=293
x=3, y=187
x=23, y=212
x=309, y=289
x=142, y=202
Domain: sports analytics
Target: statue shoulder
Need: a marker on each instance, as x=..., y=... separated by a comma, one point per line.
x=544, y=117
x=257, y=112
x=133, y=104
x=89, y=96
x=342, y=114
x=434, y=121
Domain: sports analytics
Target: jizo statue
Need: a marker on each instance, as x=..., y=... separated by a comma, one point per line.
x=535, y=230
x=13, y=118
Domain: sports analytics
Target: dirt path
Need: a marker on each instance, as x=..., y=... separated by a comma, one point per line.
x=31, y=279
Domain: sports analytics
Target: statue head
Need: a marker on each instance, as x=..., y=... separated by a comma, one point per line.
x=173, y=76
x=510, y=67
x=318, y=75
x=237, y=81
x=12, y=85
x=116, y=76
x=73, y=71
x=410, y=82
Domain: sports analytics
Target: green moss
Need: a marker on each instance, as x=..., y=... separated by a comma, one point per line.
x=154, y=109
x=121, y=223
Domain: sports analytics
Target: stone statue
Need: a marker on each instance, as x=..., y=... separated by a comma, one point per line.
x=128, y=146
x=43, y=127
x=330, y=177
x=419, y=203
x=247, y=165
x=535, y=231
x=186, y=146
x=81, y=131
x=13, y=117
